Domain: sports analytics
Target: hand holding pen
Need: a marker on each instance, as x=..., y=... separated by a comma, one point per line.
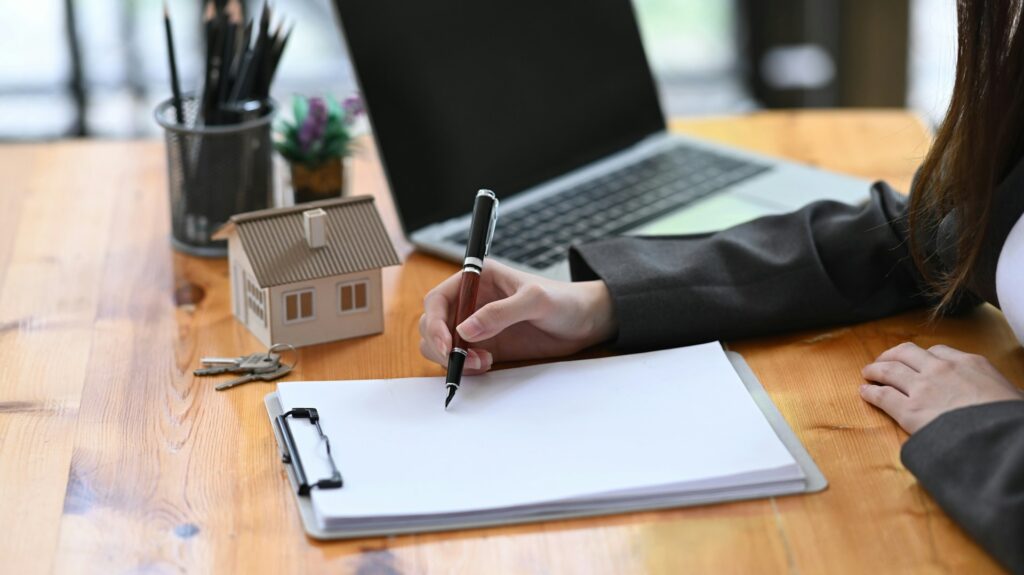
x=519, y=316
x=481, y=231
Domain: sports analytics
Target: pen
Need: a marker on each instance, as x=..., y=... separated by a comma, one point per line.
x=481, y=231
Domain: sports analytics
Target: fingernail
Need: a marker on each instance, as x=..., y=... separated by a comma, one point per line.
x=470, y=328
x=473, y=361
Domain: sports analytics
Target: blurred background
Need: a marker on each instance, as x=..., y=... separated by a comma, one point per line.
x=96, y=68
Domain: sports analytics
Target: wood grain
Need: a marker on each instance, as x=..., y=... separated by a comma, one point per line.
x=113, y=458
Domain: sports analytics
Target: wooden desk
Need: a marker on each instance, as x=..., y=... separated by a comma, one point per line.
x=113, y=458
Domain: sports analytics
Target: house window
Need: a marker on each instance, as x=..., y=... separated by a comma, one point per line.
x=254, y=299
x=298, y=305
x=353, y=296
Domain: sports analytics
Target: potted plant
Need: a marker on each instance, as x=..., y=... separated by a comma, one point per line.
x=315, y=143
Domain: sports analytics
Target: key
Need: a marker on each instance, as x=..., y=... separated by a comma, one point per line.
x=281, y=371
x=220, y=360
x=215, y=365
x=261, y=362
x=255, y=362
x=215, y=361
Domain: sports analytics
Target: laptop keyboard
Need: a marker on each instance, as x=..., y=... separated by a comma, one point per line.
x=539, y=235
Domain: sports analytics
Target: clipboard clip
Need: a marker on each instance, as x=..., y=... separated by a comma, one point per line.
x=290, y=456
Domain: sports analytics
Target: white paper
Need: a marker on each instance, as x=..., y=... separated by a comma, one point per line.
x=581, y=430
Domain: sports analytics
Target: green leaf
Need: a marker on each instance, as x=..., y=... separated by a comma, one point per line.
x=337, y=144
x=335, y=150
x=315, y=148
x=289, y=133
x=300, y=108
x=283, y=130
x=335, y=137
x=334, y=125
x=290, y=151
x=334, y=108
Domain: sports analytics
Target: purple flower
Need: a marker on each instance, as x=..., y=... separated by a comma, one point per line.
x=312, y=128
x=353, y=106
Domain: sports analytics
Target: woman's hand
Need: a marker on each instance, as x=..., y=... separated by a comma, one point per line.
x=519, y=316
x=915, y=385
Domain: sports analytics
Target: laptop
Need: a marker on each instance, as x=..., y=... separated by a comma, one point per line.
x=551, y=104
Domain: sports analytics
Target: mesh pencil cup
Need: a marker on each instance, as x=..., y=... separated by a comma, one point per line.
x=214, y=172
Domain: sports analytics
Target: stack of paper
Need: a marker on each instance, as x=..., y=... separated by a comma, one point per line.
x=573, y=438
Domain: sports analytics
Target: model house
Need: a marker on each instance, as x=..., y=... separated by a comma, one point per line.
x=311, y=273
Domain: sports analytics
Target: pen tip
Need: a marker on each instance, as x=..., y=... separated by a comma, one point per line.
x=451, y=395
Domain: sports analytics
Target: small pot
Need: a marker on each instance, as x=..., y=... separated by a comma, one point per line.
x=323, y=182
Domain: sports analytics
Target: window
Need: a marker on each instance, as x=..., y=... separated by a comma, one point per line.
x=298, y=306
x=254, y=299
x=353, y=296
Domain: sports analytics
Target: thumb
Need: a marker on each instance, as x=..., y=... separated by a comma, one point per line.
x=495, y=317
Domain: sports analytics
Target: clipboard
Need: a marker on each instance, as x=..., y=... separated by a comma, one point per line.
x=301, y=485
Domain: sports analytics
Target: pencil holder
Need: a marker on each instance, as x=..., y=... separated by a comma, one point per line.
x=214, y=172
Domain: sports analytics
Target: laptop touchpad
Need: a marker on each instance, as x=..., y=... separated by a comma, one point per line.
x=715, y=213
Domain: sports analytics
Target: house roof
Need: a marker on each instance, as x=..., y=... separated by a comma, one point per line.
x=276, y=243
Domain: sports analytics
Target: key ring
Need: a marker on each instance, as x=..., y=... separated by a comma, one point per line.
x=283, y=346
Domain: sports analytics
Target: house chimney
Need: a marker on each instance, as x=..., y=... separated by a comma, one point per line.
x=314, y=221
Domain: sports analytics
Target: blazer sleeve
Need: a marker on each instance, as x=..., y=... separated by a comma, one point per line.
x=971, y=461
x=828, y=263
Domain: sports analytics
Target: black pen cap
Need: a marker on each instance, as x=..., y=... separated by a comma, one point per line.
x=485, y=214
x=456, y=361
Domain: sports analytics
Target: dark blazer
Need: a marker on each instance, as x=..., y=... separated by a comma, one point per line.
x=831, y=263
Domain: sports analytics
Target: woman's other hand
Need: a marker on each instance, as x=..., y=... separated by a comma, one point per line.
x=914, y=385
x=519, y=316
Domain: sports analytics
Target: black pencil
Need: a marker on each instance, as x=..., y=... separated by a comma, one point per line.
x=237, y=48
x=179, y=111
x=209, y=17
x=224, y=75
x=282, y=41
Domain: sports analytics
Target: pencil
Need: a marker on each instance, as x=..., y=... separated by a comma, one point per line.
x=179, y=111
x=280, y=41
x=238, y=45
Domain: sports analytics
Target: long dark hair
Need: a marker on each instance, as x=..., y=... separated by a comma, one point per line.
x=978, y=143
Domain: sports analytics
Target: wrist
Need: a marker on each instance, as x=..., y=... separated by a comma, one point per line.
x=599, y=312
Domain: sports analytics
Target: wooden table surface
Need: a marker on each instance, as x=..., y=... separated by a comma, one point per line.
x=115, y=459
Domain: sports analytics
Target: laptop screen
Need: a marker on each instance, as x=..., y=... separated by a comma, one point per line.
x=499, y=94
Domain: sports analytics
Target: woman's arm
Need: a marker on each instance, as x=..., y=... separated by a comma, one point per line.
x=971, y=461
x=828, y=263
x=825, y=264
x=967, y=447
